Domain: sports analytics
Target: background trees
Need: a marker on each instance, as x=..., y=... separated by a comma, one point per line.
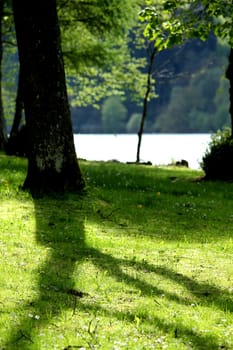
x=2, y=120
x=100, y=64
x=170, y=23
x=113, y=115
x=97, y=58
x=197, y=104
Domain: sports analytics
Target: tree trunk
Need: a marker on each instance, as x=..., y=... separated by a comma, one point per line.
x=2, y=121
x=229, y=75
x=17, y=141
x=18, y=107
x=52, y=162
x=145, y=102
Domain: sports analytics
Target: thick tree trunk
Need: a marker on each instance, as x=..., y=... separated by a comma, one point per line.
x=52, y=162
x=229, y=75
x=2, y=121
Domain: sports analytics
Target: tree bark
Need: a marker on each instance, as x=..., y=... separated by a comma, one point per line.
x=229, y=76
x=2, y=120
x=52, y=161
x=145, y=101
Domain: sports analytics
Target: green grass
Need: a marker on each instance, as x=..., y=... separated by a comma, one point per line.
x=143, y=260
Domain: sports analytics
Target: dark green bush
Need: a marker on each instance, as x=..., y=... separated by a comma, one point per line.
x=217, y=162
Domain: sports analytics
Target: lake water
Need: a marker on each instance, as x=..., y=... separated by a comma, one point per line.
x=160, y=149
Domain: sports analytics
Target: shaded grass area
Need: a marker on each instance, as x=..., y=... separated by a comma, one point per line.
x=143, y=260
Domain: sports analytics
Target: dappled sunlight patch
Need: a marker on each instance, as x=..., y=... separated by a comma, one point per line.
x=20, y=256
x=23, y=217
x=145, y=288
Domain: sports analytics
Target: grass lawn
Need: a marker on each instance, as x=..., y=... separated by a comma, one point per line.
x=143, y=260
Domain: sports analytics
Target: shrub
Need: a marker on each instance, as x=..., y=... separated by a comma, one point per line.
x=217, y=162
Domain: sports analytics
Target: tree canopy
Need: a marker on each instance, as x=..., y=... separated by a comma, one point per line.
x=172, y=22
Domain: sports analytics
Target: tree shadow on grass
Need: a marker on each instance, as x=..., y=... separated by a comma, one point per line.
x=60, y=230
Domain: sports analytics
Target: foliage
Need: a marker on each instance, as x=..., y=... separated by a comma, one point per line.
x=189, y=67
x=99, y=65
x=171, y=22
x=142, y=261
x=222, y=14
x=98, y=60
x=96, y=48
x=113, y=115
x=217, y=161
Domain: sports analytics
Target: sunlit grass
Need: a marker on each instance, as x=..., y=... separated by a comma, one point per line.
x=142, y=261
